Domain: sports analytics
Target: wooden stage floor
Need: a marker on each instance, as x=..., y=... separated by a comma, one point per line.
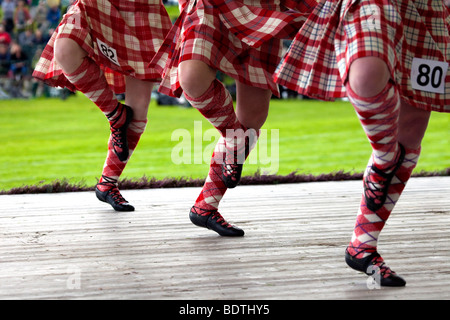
x=71, y=246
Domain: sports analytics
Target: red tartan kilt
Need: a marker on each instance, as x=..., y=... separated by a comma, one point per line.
x=338, y=32
x=121, y=36
x=199, y=34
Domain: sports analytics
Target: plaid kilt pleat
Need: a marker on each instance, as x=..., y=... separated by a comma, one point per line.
x=242, y=39
x=121, y=36
x=400, y=32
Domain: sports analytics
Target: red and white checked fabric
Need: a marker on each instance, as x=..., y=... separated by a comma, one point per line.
x=254, y=25
x=397, y=31
x=121, y=36
x=240, y=38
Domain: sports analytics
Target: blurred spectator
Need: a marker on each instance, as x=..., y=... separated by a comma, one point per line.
x=19, y=72
x=8, y=8
x=26, y=38
x=53, y=15
x=52, y=3
x=25, y=29
x=19, y=60
x=33, y=4
x=48, y=33
x=40, y=40
x=5, y=63
x=5, y=38
x=40, y=17
x=5, y=59
x=22, y=16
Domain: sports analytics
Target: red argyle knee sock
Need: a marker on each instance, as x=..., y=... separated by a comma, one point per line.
x=90, y=80
x=214, y=187
x=239, y=144
x=113, y=167
x=368, y=223
x=379, y=118
x=216, y=105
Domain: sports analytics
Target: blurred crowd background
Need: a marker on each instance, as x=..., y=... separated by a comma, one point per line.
x=25, y=28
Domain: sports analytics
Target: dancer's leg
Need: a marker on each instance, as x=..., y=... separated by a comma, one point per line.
x=137, y=96
x=377, y=103
x=89, y=79
x=390, y=125
x=252, y=107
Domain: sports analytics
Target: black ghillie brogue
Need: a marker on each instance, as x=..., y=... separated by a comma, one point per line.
x=213, y=220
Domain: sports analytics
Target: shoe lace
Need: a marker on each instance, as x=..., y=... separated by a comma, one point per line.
x=232, y=165
x=215, y=215
x=377, y=264
x=116, y=138
x=377, y=181
x=231, y=170
x=375, y=184
x=381, y=266
x=117, y=197
x=218, y=217
x=116, y=133
x=108, y=181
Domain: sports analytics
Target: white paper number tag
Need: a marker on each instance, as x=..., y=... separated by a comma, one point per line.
x=428, y=75
x=107, y=51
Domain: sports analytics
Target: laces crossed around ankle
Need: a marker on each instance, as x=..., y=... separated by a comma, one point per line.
x=234, y=161
x=119, y=120
x=108, y=182
x=375, y=185
x=116, y=138
x=231, y=170
x=377, y=182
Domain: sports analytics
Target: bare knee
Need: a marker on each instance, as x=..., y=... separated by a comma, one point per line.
x=137, y=96
x=195, y=77
x=368, y=76
x=252, y=105
x=68, y=54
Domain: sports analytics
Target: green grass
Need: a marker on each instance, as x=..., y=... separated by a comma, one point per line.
x=173, y=11
x=44, y=140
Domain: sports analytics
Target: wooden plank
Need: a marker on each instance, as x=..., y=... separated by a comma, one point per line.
x=71, y=246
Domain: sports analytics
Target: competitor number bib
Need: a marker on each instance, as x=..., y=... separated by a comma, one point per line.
x=428, y=75
x=107, y=51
